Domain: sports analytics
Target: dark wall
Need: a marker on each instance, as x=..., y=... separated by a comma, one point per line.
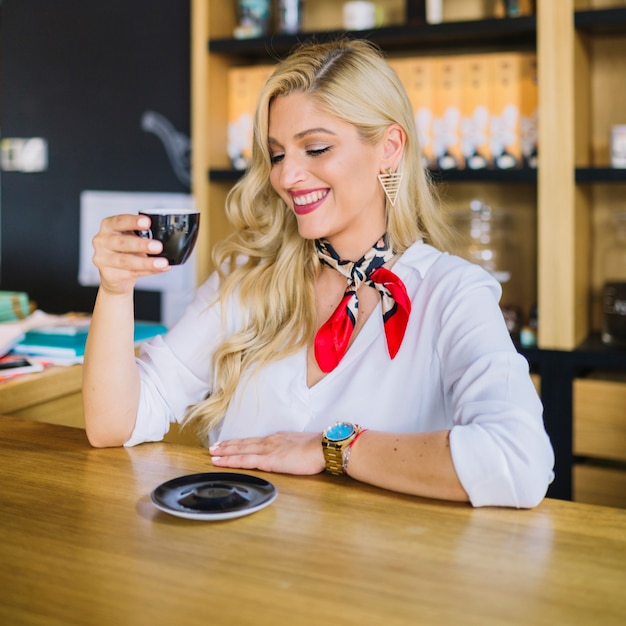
x=81, y=74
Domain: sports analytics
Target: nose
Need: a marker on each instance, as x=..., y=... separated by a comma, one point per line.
x=292, y=171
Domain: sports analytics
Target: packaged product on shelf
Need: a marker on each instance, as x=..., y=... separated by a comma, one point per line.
x=475, y=111
x=529, y=110
x=448, y=81
x=416, y=76
x=506, y=116
x=244, y=84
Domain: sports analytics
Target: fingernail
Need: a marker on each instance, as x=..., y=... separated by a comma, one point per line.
x=215, y=458
x=144, y=222
x=160, y=263
x=215, y=446
x=154, y=246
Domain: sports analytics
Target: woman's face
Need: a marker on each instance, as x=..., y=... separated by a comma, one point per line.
x=326, y=174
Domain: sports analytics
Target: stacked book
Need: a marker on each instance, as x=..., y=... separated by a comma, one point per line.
x=64, y=342
x=14, y=305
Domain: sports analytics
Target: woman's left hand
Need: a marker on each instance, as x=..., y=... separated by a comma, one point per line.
x=284, y=452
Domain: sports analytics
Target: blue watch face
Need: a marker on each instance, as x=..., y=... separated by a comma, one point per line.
x=340, y=431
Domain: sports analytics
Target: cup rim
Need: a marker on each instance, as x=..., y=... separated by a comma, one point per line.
x=168, y=211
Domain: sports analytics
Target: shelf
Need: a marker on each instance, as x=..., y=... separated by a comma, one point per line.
x=601, y=21
x=595, y=354
x=590, y=354
x=506, y=33
x=600, y=175
x=526, y=175
x=224, y=175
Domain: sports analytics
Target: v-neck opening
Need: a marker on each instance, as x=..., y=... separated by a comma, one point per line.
x=366, y=335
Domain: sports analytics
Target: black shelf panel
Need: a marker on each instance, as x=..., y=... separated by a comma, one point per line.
x=507, y=33
x=224, y=175
x=600, y=175
x=594, y=354
x=601, y=21
x=526, y=175
x=591, y=354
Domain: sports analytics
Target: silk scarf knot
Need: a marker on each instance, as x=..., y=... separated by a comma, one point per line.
x=332, y=339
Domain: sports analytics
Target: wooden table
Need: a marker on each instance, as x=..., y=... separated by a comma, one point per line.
x=53, y=395
x=81, y=543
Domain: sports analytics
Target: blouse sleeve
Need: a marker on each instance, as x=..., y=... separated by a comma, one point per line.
x=499, y=446
x=175, y=369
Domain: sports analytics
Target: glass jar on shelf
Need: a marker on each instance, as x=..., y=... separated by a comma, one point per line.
x=254, y=18
x=485, y=238
x=614, y=285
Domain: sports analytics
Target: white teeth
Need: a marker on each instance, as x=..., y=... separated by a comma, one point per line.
x=314, y=196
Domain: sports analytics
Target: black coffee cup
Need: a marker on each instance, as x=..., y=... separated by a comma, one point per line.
x=176, y=229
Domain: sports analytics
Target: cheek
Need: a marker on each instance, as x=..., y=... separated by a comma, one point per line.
x=280, y=192
x=359, y=177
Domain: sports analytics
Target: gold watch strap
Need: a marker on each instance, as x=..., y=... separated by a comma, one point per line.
x=333, y=455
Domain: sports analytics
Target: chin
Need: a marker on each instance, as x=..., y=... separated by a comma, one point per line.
x=309, y=231
x=307, y=234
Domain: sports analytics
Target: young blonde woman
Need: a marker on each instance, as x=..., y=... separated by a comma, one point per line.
x=336, y=333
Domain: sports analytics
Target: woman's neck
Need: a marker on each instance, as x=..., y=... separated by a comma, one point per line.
x=353, y=250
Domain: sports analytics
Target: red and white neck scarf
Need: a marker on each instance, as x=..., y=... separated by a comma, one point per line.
x=332, y=339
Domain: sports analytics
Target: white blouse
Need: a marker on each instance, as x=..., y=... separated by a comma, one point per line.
x=457, y=369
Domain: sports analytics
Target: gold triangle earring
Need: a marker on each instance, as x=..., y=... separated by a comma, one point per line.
x=390, y=182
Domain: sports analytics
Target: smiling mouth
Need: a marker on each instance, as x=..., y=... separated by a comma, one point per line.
x=307, y=202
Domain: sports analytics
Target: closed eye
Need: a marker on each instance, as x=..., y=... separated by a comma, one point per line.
x=315, y=152
x=312, y=152
x=276, y=158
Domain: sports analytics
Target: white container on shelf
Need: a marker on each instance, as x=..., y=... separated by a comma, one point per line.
x=434, y=11
x=618, y=146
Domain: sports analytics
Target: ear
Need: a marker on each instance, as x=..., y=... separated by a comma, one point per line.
x=393, y=144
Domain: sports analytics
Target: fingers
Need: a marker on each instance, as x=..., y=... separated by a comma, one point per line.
x=243, y=454
x=121, y=256
x=118, y=234
x=243, y=461
x=225, y=450
x=290, y=453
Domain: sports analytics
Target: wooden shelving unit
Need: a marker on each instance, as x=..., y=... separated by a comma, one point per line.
x=579, y=54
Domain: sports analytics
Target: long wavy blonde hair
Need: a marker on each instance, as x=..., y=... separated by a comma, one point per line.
x=274, y=283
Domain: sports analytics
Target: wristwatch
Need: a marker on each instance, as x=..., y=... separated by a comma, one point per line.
x=336, y=439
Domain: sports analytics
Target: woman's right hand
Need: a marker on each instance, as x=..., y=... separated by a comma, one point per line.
x=122, y=257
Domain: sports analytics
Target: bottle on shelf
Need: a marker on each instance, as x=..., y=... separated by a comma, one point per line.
x=614, y=288
x=289, y=16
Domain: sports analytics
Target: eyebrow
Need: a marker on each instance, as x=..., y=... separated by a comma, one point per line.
x=304, y=133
